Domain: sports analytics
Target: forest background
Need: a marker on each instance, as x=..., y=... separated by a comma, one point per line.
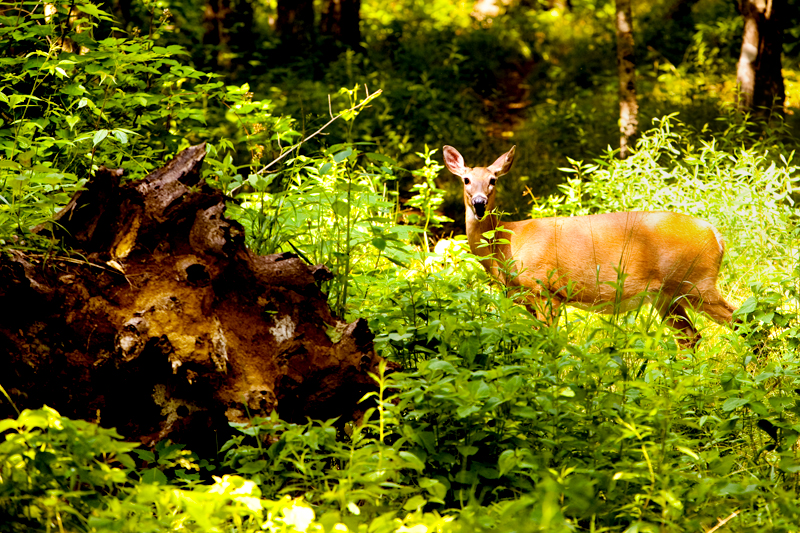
x=596, y=424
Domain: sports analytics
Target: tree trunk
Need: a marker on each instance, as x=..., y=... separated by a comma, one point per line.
x=228, y=31
x=758, y=72
x=295, y=22
x=163, y=324
x=628, y=108
x=341, y=21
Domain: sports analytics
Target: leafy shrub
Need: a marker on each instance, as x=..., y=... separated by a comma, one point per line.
x=56, y=471
x=495, y=423
x=76, y=95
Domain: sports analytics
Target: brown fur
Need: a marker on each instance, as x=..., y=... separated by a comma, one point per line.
x=668, y=259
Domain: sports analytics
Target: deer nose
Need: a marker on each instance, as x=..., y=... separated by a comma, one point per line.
x=479, y=205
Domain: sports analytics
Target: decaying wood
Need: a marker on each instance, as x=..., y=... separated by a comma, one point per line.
x=163, y=324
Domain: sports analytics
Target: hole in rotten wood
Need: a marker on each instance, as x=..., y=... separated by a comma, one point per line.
x=196, y=273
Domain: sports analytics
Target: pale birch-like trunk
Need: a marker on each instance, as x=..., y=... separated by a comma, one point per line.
x=628, y=107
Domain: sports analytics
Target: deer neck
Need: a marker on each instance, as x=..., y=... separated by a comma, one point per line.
x=475, y=230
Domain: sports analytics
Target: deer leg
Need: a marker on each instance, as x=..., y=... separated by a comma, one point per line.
x=544, y=307
x=674, y=315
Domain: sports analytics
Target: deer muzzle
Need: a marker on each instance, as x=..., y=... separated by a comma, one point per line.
x=479, y=205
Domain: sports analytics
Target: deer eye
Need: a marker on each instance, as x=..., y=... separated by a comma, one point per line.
x=466, y=181
x=492, y=181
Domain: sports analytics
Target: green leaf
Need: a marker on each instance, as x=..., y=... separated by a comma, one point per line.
x=7, y=424
x=747, y=307
x=154, y=476
x=253, y=467
x=257, y=182
x=99, y=136
x=340, y=208
x=126, y=461
x=334, y=334
x=566, y=392
x=466, y=451
x=380, y=158
x=413, y=461
x=435, y=488
x=74, y=89
x=72, y=120
x=415, y=503
x=145, y=455
x=758, y=408
x=466, y=410
x=120, y=135
x=507, y=462
x=379, y=243
x=687, y=451
x=94, y=11
x=344, y=154
x=734, y=403
x=34, y=419
x=438, y=364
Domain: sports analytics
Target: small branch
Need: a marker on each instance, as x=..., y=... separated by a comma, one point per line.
x=366, y=100
x=723, y=521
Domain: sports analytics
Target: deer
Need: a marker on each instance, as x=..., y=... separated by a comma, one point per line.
x=605, y=263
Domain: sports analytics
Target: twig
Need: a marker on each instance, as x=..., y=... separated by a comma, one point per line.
x=291, y=148
x=723, y=521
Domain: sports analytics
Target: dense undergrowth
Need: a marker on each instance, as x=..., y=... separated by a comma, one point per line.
x=600, y=423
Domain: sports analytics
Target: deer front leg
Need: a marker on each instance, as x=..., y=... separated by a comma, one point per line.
x=674, y=315
x=545, y=307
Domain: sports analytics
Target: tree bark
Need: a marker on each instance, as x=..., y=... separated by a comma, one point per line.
x=228, y=31
x=341, y=20
x=628, y=107
x=163, y=324
x=295, y=22
x=758, y=72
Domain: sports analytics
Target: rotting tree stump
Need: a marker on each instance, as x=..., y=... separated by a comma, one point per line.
x=168, y=326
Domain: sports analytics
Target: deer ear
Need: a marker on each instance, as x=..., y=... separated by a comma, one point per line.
x=454, y=161
x=503, y=163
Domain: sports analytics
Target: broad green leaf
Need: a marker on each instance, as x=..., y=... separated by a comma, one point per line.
x=748, y=306
x=380, y=158
x=734, y=403
x=344, y=154
x=379, y=243
x=413, y=461
x=252, y=467
x=507, y=462
x=8, y=423
x=417, y=502
x=99, y=136
x=441, y=365
x=154, y=476
x=466, y=451
x=121, y=136
x=340, y=208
